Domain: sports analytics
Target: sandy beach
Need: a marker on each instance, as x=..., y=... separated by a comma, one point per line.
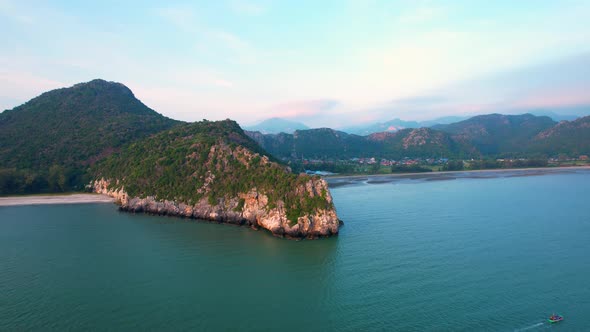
x=54, y=199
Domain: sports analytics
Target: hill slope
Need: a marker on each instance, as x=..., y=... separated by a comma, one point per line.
x=212, y=170
x=569, y=137
x=422, y=143
x=327, y=143
x=497, y=134
x=48, y=142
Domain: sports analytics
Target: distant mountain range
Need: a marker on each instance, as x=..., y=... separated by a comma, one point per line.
x=555, y=116
x=493, y=135
x=277, y=125
x=398, y=124
x=280, y=125
x=325, y=143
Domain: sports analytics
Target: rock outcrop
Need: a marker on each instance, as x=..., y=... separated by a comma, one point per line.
x=249, y=209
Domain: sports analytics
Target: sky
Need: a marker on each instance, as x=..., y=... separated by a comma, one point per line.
x=326, y=63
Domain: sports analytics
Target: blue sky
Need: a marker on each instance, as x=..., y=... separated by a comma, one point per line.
x=328, y=63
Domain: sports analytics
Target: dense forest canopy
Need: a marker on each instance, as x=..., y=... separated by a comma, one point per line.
x=47, y=144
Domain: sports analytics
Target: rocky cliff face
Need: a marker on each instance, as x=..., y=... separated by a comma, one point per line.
x=250, y=209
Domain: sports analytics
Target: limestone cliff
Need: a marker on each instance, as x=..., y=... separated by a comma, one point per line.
x=213, y=171
x=250, y=209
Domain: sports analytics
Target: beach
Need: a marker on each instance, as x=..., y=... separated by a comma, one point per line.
x=54, y=199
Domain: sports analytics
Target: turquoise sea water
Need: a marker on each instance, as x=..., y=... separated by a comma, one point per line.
x=488, y=254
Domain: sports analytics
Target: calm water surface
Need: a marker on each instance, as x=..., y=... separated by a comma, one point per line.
x=497, y=254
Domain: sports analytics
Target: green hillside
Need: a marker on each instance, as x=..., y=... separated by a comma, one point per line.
x=213, y=160
x=568, y=137
x=327, y=143
x=497, y=134
x=47, y=143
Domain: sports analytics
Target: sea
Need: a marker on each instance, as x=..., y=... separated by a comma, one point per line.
x=487, y=251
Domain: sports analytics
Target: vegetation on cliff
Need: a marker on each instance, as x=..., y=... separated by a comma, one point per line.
x=213, y=160
x=47, y=144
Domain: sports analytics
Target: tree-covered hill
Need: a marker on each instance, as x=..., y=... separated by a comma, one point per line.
x=487, y=136
x=213, y=169
x=175, y=163
x=327, y=143
x=567, y=137
x=318, y=143
x=47, y=143
x=421, y=143
x=497, y=134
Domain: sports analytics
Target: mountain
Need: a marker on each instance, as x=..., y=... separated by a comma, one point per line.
x=325, y=143
x=422, y=143
x=555, y=116
x=212, y=170
x=443, y=120
x=497, y=134
x=388, y=126
x=277, y=125
x=320, y=143
x=567, y=137
x=47, y=143
x=398, y=124
x=488, y=136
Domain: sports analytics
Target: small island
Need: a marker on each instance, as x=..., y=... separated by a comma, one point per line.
x=213, y=171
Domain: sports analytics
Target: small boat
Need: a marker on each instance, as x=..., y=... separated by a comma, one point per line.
x=555, y=318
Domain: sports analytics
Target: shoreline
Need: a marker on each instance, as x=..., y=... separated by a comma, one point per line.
x=343, y=180
x=79, y=198
x=426, y=174
x=333, y=181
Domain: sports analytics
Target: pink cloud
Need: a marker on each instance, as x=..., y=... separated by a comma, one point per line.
x=306, y=108
x=223, y=83
x=555, y=98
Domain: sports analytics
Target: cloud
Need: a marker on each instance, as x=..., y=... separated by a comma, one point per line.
x=554, y=98
x=241, y=51
x=181, y=17
x=223, y=83
x=305, y=108
x=419, y=100
x=557, y=85
x=9, y=10
x=208, y=39
x=422, y=14
x=247, y=7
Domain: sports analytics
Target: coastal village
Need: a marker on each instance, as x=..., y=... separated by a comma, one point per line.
x=373, y=165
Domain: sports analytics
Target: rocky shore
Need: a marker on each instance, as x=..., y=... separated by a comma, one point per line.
x=248, y=209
